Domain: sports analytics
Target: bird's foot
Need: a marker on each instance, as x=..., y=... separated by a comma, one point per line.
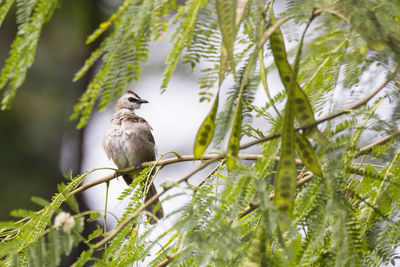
x=138, y=167
x=118, y=173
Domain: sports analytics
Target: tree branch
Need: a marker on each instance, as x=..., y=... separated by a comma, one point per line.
x=212, y=157
x=254, y=205
x=115, y=231
x=381, y=141
x=243, y=146
x=271, y=30
x=277, y=24
x=329, y=117
x=173, y=256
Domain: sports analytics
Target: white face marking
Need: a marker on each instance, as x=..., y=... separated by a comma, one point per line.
x=130, y=101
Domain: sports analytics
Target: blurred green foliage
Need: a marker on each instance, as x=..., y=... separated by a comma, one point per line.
x=32, y=131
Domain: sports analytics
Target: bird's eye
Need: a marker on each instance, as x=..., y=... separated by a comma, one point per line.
x=131, y=99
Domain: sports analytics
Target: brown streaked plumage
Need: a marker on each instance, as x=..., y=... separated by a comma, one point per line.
x=129, y=142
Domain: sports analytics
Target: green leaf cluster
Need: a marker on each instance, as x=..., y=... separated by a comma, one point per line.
x=31, y=15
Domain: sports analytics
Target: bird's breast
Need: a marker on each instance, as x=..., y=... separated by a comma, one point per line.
x=127, y=145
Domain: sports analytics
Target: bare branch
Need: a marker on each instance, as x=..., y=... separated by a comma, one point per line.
x=254, y=205
x=329, y=117
x=205, y=179
x=271, y=30
x=173, y=256
x=277, y=24
x=381, y=141
x=211, y=157
x=116, y=230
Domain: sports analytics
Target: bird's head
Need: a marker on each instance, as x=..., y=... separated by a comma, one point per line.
x=129, y=100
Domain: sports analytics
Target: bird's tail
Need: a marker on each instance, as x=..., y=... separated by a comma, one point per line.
x=154, y=209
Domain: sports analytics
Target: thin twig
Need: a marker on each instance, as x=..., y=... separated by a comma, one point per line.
x=116, y=230
x=254, y=205
x=271, y=30
x=326, y=118
x=164, y=162
x=105, y=209
x=173, y=256
x=198, y=168
x=381, y=141
x=205, y=179
x=277, y=24
x=214, y=157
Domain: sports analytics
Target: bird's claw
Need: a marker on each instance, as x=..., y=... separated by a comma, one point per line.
x=138, y=166
x=117, y=173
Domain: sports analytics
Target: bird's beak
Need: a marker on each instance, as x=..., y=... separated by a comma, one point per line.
x=142, y=101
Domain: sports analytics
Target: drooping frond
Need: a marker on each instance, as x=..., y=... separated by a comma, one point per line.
x=121, y=52
x=182, y=36
x=31, y=16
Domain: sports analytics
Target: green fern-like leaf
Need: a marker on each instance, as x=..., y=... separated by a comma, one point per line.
x=33, y=229
x=183, y=35
x=4, y=8
x=31, y=15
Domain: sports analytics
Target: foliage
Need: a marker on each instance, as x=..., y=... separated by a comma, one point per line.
x=30, y=15
x=332, y=204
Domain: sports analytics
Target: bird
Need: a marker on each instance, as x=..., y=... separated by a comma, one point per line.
x=129, y=142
